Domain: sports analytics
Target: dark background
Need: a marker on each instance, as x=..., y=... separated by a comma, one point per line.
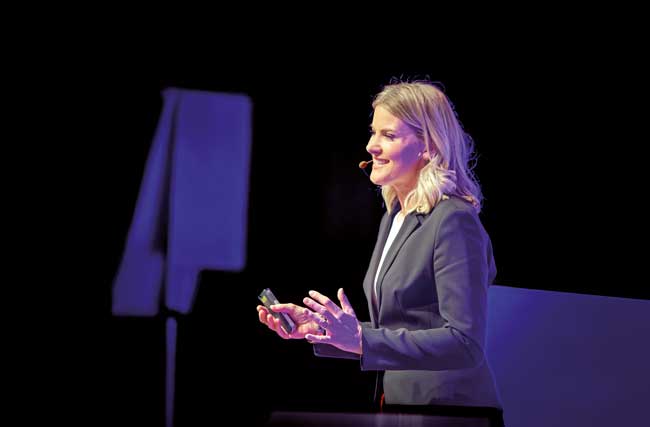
x=546, y=125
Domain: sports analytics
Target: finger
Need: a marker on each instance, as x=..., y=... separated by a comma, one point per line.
x=318, y=339
x=270, y=321
x=328, y=303
x=345, y=304
x=324, y=321
x=276, y=326
x=262, y=315
x=279, y=329
x=320, y=313
x=283, y=334
x=316, y=307
x=284, y=308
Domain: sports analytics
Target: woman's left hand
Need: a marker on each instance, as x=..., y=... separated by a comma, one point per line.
x=343, y=330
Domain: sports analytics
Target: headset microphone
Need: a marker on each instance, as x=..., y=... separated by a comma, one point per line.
x=364, y=164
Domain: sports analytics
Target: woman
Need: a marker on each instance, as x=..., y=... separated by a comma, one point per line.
x=428, y=277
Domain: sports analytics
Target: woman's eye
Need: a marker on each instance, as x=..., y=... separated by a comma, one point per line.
x=389, y=136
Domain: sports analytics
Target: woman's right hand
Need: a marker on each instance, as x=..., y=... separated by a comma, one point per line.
x=300, y=315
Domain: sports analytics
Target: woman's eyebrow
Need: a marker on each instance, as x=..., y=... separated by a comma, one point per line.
x=389, y=129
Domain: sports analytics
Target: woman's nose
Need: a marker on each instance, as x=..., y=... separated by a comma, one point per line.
x=372, y=147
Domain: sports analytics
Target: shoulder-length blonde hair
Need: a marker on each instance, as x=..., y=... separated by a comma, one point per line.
x=429, y=113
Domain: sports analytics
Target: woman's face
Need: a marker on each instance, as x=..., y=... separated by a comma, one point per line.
x=394, y=148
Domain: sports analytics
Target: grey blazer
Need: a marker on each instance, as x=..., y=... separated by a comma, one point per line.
x=428, y=333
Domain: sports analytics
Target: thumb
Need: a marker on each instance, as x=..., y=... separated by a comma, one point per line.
x=281, y=308
x=345, y=304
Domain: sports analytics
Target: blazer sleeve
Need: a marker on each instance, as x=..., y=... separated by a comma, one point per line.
x=463, y=267
x=326, y=350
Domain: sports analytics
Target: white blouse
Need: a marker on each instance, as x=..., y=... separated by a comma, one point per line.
x=394, y=229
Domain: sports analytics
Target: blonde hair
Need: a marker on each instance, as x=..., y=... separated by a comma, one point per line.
x=429, y=113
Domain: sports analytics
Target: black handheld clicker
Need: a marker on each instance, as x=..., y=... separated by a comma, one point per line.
x=268, y=299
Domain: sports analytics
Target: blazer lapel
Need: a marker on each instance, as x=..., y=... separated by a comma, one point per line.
x=411, y=223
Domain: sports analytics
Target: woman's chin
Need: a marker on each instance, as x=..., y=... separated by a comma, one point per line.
x=376, y=180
